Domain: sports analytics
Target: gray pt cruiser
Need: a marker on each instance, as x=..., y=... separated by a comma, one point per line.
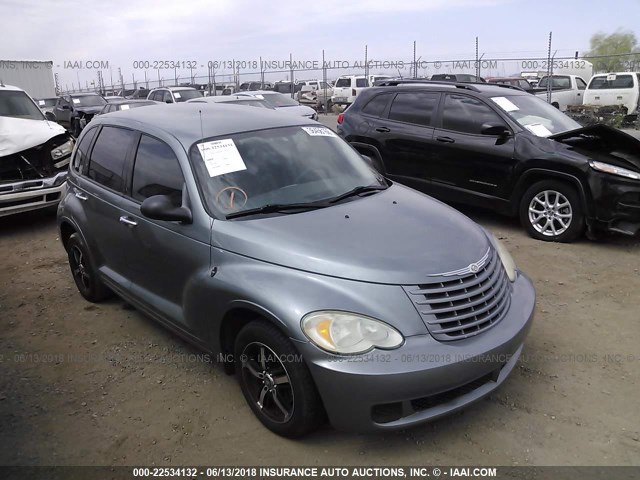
x=270, y=242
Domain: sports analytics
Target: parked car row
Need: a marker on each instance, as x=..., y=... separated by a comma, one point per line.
x=501, y=148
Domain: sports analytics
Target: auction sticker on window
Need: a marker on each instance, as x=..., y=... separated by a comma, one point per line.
x=538, y=129
x=221, y=157
x=124, y=107
x=506, y=104
x=319, y=131
x=76, y=100
x=177, y=95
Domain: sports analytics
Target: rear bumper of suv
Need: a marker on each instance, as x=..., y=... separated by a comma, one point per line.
x=423, y=379
x=18, y=197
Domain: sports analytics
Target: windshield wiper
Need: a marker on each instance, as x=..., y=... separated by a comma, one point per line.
x=277, y=207
x=357, y=191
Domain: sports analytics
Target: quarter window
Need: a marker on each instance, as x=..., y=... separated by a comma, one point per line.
x=108, y=157
x=377, y=105
x=466, y=114
x=413, y=107
x=156, y=171
x=82, y=152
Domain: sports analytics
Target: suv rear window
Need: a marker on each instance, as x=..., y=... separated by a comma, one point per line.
x=377, y=105
x=414, y=107
x=620, y=81
x=108, y=157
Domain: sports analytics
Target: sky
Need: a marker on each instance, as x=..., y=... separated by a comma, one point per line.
x=197, y=31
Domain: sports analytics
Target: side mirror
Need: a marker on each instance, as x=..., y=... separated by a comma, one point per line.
x=50, y=116
x=495, y=129
x=160, y=207
x=168, y=101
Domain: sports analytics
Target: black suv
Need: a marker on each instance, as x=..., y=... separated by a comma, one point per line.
x=74, y=111
x=499, y=147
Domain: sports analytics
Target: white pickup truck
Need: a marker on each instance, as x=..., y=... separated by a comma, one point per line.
x=565, y=90
x=622, y=88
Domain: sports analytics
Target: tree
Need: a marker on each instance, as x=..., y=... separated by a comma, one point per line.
x=605, y=48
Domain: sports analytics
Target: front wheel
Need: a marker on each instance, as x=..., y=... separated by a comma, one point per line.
x=551, y=211
x=275, y=381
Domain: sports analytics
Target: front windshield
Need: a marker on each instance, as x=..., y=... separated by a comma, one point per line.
x=288, y=165
x=184, y=95
x=278, y=100
x=536, y=115
x=17, y=104
x=88, y=101
x=46, y=102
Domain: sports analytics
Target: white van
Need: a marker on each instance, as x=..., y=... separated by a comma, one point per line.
x=622, y=88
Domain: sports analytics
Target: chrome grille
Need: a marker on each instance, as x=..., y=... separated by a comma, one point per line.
x=466, y=306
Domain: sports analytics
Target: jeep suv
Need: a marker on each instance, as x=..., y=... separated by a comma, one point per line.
x=499, y=147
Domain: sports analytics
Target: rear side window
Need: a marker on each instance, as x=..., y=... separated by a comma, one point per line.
x=466, y=114
x=377, y=105
x=82, y=152
x=156, y=171
x=414, y=107
x=361, y=82
x=109, y=155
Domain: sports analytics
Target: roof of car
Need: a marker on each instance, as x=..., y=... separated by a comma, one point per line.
x=128, y=101
x=191, y=122
x=173, y=89
x=224, y=99
x=85, y=94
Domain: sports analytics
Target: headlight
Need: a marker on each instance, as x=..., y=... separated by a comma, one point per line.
x=506, y=258
x=62, y=151
x=613, y=170
x=349, y=333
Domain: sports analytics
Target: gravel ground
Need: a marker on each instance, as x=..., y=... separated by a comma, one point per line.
x=87, y=384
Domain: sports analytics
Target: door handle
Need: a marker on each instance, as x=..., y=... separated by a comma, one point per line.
x=81, y=196
x=382, y=129
x=127, y=221
x=445, y=139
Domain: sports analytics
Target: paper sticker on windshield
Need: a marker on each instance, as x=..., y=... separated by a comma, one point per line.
x=124, y=107
x=319, y=131
x=221, y=156
x=176, y=94
x=506, y=104
x=76, y=100
x=538, y=129
x=611, y=77
x=261, y=97
x=40, y=102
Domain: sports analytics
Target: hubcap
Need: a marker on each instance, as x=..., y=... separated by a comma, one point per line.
x=78, y=268
x=550, y=213
x=267, y=381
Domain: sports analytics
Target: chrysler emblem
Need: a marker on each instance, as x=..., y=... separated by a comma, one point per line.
x=471, y=268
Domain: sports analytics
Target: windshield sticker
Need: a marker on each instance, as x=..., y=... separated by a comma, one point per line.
x=538, y=129
x=76, y=100
x=611, y=77
x=177, y=94
x=221, y=157
x=506, y=104
x=40, y=102
x=318, y=131
x=261, y=97
x=124, y=107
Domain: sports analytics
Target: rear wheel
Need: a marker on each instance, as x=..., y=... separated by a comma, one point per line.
x=84, y=272
x=551, y=211
x=275, y=381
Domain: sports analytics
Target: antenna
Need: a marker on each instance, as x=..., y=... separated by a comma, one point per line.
x=201, y=130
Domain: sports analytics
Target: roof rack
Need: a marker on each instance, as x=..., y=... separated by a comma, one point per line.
x=393, y=83
x=506, y=85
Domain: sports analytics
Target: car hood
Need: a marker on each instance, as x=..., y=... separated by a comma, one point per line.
x=89, y=110
x=603, y=143
x=397, y=236
x=297, y=110
x=18, y=134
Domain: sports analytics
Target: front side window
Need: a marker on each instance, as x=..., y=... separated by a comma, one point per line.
x=414, y=107
x=467, y=115
x=288, y=165
x=156, y=171
x=109, y=155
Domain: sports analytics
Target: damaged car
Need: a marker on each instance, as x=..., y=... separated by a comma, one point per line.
x=34, y=154
x=498, y=147
x=73, y=111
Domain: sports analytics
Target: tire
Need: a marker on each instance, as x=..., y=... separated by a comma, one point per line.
x=84, y=272
x=557, y=208
x=260, y=347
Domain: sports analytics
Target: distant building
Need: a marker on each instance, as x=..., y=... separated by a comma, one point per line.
x=34, y=77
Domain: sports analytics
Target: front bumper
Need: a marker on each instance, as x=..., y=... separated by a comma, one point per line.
x=616, y=203
x=19, y=197
x=423, y=379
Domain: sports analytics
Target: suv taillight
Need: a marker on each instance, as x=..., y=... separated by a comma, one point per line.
x=353, y=92
x=340, y=118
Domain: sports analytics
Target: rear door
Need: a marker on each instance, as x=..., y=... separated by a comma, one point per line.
x=465, y=159
x=101, y=189
x=405, y=134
